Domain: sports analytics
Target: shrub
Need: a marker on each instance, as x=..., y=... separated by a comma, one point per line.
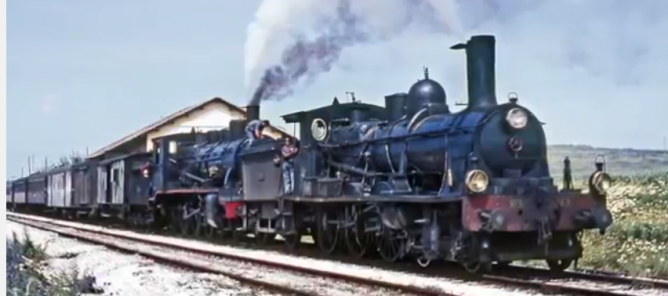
x=637, y=242
x=27, y=274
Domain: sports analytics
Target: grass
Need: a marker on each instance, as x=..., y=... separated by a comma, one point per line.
x=637, y=242
x=29, y=275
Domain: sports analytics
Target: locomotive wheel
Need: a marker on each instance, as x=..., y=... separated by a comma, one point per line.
x=502, y=264
x=477, y=267
x=197, y=224
x=293, y=239
x=559, y=265
x=391, y=245
x=327, y=234
x=185, y=226
x=237, y=235
x=357, y=241
x=210, y=232
x=175, y=219
x=263, y=238
x=225, y=229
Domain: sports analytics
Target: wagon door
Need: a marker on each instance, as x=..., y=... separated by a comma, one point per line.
x=79, y=187
x=102, y=185
x=118, y=182
x=91, y=186
x=56, y=190
x=67, y=189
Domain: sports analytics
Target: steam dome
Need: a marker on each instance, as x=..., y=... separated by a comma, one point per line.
x=423, y=92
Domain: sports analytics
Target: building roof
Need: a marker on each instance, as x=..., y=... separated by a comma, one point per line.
x=167, y=120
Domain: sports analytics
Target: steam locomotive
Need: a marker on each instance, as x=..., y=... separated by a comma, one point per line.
x=410, y=179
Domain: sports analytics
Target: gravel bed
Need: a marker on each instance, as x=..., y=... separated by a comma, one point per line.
x=303, y=282
x=448, y=285
x=121, y=274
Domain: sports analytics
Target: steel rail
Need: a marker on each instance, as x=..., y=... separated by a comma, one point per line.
x=30, y=221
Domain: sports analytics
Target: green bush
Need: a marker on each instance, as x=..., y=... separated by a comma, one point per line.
x=27, y=272
x=637, y=242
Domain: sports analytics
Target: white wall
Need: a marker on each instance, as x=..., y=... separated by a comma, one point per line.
x=213, y=116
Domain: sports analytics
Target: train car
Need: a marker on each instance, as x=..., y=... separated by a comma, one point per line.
x=37, y=191
x=84, y=186
x=20, y=190
x=8, y=199
x=120, y=187
x=59, y=189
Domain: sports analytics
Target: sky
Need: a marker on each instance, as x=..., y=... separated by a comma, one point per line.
x=82, y=74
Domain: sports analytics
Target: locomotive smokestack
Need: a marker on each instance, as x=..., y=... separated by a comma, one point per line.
x=252, y=112
x=480, y=71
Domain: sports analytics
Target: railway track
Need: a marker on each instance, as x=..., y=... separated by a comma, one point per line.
x=279, y=277
x=570, y=283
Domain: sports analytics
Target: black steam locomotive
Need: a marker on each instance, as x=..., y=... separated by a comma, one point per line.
x=410, y=179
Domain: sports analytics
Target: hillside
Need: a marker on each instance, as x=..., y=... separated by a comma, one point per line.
x=620, y=162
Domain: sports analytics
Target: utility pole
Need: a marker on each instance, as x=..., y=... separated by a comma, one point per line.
x=664, y=144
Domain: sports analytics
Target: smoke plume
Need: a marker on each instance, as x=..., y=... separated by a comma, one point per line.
x=338, y=24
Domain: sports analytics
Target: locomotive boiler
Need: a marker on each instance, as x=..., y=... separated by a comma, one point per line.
x=422, y=137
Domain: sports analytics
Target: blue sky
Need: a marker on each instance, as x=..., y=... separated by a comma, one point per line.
x=85, y=73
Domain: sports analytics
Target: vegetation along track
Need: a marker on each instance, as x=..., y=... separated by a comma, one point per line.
x=574, y=283
x=283, y=278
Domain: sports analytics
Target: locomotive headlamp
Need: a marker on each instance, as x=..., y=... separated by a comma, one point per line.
x=213, y=170
x=145, y=172
x=601, y=182
x=319, y=129
x=517, y=118
x=477, y=181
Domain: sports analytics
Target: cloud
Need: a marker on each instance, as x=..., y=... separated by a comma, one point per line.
x=48, y=104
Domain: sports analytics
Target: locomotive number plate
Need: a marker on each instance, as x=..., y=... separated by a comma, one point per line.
x=566, y=202
x=516, y=203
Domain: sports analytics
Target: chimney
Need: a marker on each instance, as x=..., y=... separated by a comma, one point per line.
x=480, y=71
x=252, y=112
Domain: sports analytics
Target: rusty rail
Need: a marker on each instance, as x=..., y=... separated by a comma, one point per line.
x=55, y=226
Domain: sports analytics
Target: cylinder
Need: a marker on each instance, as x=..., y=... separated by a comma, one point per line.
x=252, y=112
x=480, y=70
x=395, y=105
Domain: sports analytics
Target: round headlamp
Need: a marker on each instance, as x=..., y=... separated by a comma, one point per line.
x=517, y=118
x=601, y=182
x=213, y=170
x=477, y=181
